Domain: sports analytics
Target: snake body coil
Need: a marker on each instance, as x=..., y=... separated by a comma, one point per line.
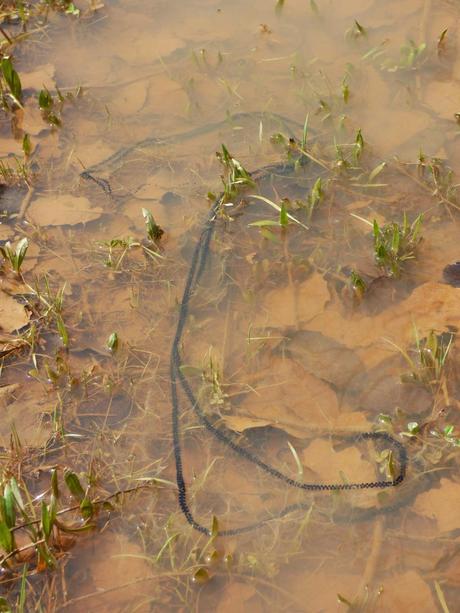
x=199, y=259
x=198, y=262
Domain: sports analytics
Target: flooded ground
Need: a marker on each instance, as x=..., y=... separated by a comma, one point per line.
x=320, y=307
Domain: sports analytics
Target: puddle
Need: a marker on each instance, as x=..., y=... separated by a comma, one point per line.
x=322, y=307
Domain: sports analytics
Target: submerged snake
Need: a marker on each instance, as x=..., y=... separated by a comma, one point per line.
x=178, y=379
x=198, y=262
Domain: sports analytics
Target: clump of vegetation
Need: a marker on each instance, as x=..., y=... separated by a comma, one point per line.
x=27, y=11
x=439, y=177
x=431, y=353
x=236, y=177
x=154, y=231
x=213, y=386
x=48, y=523
x=357, y=285
x=15, y=255
x=396, y=243
x=411, y=56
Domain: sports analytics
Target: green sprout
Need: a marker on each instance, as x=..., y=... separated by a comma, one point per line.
x=154, y=231
x=314, y=198
x=357, y=285
x=112, y=342
x=15, y=255
x=12, y=81
x=236, y=176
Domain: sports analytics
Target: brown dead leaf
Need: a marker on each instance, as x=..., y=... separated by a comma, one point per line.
x=289, y=306
x=235, y=597
x=406, y=592
x=6, y=391
x=320, y=588
x=441, y=504
x=321, y=356
x=42, y=76
x=30, y=119
x=430, y=306
x=392, y=137
x=10, y=146
x=240, y=423
x=443, y=97
x=352, y=420
x=13, y=316
x=289, y=398
x=6, y=232
x=332, y=466
x=130, y=99
x=61, y=210
x=115, y=565
x=24, y=407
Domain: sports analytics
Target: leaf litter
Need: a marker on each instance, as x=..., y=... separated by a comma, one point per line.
x=13, y=315
x=62, y=210
x=290, y=306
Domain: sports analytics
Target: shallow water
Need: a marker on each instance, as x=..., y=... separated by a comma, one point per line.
x=279, y=348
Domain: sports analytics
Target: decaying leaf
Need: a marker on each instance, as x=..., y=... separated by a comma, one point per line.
x=23, y=408
x=240, y=423
x=442, y=97
x=13, y=315
x=30, y=118
x=128, y=565
x=288, y=397
x=289, y=306
x=441, y=504
x=10, y=146
x=430, y=306
x=332, y=466
x=321, y=356
x=130, y=99
x=407, y=592
x=61, y=210
x=235, y=597
x=42, y=76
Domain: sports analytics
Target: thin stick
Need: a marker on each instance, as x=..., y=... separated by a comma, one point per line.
x=372, y=560
x=25, y=203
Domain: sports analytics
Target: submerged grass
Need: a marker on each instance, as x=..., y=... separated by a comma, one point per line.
x=396, y=243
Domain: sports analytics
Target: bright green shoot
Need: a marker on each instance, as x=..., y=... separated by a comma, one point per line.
x=315, y=197
x=154, y=231
x=15, y=255
x=236, y=176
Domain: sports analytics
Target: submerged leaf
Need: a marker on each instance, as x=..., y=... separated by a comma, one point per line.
x=61, y=210
x=74, y=485
x=12, y=79
x=6, y=538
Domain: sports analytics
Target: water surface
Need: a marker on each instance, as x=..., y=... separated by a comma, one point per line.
x=278, y=346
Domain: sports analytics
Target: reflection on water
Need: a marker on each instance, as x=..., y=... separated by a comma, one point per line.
x=295, y=338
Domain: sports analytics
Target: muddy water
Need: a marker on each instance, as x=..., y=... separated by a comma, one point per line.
x=278, y=347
